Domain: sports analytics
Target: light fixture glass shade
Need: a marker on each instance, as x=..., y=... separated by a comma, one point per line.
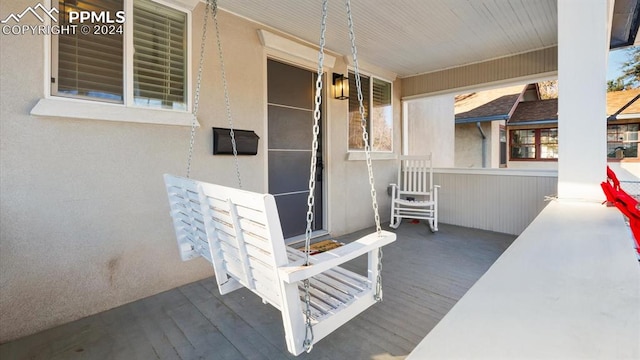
x=340, y=86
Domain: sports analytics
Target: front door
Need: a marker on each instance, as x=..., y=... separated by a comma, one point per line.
x=291, y=92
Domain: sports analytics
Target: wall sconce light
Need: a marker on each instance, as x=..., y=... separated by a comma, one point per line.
x=340, y=87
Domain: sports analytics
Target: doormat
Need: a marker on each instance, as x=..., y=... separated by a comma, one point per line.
x=322, y=246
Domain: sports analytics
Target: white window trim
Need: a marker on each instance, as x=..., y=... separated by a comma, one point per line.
x=61, y=107
x=358, y=155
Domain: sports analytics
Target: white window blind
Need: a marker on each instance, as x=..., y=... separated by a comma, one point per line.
x=93, y=66
x=381, y=116
x=89, y=65
x=159, y=63
x=355, y=119
x=378, y=110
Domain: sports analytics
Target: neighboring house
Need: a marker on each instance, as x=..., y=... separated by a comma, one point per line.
x=481, y=119
x=623, y=124
x=533, y=134
x=528, y=128
x=480, y=126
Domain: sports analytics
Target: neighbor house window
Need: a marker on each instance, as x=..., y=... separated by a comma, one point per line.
x=99, y=65
x=622, y=141
x=534, y=144
x=378, y=111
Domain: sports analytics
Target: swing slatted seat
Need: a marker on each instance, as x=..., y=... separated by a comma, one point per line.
x=239, y=233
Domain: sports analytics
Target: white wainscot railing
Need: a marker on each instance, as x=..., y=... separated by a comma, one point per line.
x=501, y=200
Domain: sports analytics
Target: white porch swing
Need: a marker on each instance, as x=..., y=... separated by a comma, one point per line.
x=239, y=232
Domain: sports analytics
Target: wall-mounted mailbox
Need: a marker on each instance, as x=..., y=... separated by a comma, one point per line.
x=246, y=141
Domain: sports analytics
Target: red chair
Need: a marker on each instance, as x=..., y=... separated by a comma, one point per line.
x=613, y=179
x=627, y=204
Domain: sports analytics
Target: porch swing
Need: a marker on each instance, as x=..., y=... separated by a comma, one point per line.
x=239, y=232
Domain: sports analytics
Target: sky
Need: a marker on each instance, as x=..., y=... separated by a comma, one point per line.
x=616, y=58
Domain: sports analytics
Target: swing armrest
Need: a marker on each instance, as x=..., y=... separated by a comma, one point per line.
x=330, y=259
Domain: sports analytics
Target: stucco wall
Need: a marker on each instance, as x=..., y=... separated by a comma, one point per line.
x=84, y=216
x=468, y=147
x=430, y=124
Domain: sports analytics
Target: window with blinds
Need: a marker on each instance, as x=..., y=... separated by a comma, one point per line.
x=89, y=66
x=381, y=116
x=378, y=110
x=159, y=63
x=355, y=119
x=93, y=66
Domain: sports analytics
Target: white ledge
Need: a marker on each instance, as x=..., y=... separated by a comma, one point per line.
x=498, y=171
x=90, y=110
x=360, y=156
x=567, y=288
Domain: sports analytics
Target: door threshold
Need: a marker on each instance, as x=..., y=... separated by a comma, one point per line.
x=299, y=239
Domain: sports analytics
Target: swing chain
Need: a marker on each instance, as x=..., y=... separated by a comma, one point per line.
x=211, y=7
x=308, y=336
x=227, y=102
x=367, y=147
x=196, y=100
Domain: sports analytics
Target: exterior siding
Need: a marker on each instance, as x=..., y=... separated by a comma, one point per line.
x=531, y=64
x=497, y=200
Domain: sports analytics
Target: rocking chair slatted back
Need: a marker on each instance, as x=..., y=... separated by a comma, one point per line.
x=416, y=176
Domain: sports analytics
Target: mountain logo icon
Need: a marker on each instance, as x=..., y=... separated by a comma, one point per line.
x=33, y=10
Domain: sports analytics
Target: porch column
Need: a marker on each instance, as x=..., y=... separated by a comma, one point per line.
x=583, y=48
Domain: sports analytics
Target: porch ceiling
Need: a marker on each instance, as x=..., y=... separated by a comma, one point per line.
x=415, y=36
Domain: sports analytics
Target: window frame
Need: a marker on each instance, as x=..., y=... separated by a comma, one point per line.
x=625, y=158
x=52, y=105
x=537, y=144
x=351, y=152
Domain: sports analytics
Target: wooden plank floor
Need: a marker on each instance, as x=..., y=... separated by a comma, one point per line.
x=424, y=274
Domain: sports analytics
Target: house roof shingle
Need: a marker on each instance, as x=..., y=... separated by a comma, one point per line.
x=541, y=110
x=617, y=100
x=490, y=103
x=497, y=103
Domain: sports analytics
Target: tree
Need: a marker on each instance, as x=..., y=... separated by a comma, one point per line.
x=548, y=89
x=630, y=77
x=615, y=85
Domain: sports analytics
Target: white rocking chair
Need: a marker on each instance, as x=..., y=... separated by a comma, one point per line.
x=415, y=196
x=239, y=232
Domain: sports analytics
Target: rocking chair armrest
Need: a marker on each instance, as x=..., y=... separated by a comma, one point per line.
x=395, y=189
x=332, y=258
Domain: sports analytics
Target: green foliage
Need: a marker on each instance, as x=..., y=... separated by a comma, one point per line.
x=615, y=85
x=630, y=77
